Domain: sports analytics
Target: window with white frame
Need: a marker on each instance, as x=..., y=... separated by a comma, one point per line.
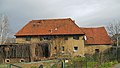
x=75, y=49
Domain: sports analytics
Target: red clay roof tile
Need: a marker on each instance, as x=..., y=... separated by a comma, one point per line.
x=50, y=27
x=96, y=36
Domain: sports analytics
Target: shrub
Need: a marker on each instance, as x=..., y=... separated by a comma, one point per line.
x=33, y=67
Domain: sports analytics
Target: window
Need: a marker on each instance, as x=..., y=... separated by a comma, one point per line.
x=47, y=37
x=55, y=48
x=97, y=51
x=76, y=37
x=75, y=49
x=65, y=38
x=28, y=38
x=62, y=48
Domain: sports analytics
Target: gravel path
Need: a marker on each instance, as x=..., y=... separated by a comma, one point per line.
x=116, y=66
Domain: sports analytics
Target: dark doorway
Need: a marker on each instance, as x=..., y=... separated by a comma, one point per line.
x=42, y=50
x=45, y=48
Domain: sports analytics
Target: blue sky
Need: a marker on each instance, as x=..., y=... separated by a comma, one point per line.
x=85, y=12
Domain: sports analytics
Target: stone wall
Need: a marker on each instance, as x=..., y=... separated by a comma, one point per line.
x=57, y=44
x=71, y=43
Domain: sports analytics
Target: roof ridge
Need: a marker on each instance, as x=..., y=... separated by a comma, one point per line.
x=47, y=19
x=92, y=27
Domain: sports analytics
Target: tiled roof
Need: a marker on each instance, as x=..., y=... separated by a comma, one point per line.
x=50, y=27
x=96, y=36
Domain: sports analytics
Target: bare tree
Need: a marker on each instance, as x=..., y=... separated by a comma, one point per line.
x=114, y=28
x=3, y=29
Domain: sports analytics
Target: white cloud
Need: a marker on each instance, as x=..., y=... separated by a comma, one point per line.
x=85, y=12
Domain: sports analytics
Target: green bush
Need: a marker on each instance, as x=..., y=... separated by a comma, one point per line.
x=33, y=67
x=108, y=64
x=115, y=62
x=78, y=59
x=90, y=62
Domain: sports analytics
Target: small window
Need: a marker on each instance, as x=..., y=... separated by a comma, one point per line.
x=97, y=50
x=47, y=37
x=28, y=38
x=62, y=48
x=75, y=49
x=55, y=48
x=76, y=37
x=65, y=38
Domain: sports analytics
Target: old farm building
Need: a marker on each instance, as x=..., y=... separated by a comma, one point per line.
x=64, y=36
x=60, y=36
x=50, y=37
